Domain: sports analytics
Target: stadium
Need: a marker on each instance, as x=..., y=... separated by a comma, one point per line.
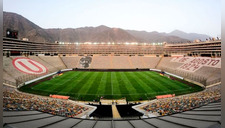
x=95, y=84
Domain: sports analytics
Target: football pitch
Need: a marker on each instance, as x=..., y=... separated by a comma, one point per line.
x=91, y=85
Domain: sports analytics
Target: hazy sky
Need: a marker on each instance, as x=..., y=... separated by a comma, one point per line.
x=198, y=16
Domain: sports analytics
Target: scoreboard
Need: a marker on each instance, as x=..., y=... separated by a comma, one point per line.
x=12, y=33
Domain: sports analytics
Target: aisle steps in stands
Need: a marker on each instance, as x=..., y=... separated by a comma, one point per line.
x=62, y=61
x=115, y=112
x=159, y=62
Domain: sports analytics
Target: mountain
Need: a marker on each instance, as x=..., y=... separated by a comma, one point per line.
x=156, y=36
x=92, y=34
x=33, y=32
x=189, y=36
x=25, y=27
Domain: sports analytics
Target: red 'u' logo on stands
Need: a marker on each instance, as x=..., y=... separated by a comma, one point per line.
x=29, y=66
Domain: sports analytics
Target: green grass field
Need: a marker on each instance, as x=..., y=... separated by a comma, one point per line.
x=84, y=85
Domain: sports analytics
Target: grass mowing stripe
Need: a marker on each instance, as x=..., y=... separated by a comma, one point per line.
x=95, y=85
x=102, y=84
x=51, y=84
x=90, y=88
x=90, y=85
x=123, y=87
x=164, y=82
x=111, y=83
x=136, y=85
x=57, y=79
x=149, y=83
x=81, y=83
x=108, y=88
x=154, y=84
x=168, y=83
x=89, y=82
x=143, y=83
x=67, y=82
x=174, y=84
x=73, y=83
x=164, y=88
x=115, y=84
x=132, y=90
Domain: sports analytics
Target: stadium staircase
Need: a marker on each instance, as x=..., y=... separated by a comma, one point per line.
x=62, y=61
x=115, y=112
x=159, y=62
x=46, y=62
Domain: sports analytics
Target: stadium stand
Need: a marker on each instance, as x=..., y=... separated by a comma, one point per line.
x=209, y=73
x=8, y=79
x=71, y=61
x=166, y=63
x=121, y=62
x=55, y=61
x=205, y=116
x=205, y=75
x=215, y=77
x=101, y=62
x=150, y=62
x=137, y=62
x=9, y=68
x=184, y=103
x=17, y=101
x=49, y=67
x=12, y=75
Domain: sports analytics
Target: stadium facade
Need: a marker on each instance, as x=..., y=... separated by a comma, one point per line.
x=207, y=48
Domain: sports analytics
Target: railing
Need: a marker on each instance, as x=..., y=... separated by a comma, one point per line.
x=9, y=82
x=213, y=81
